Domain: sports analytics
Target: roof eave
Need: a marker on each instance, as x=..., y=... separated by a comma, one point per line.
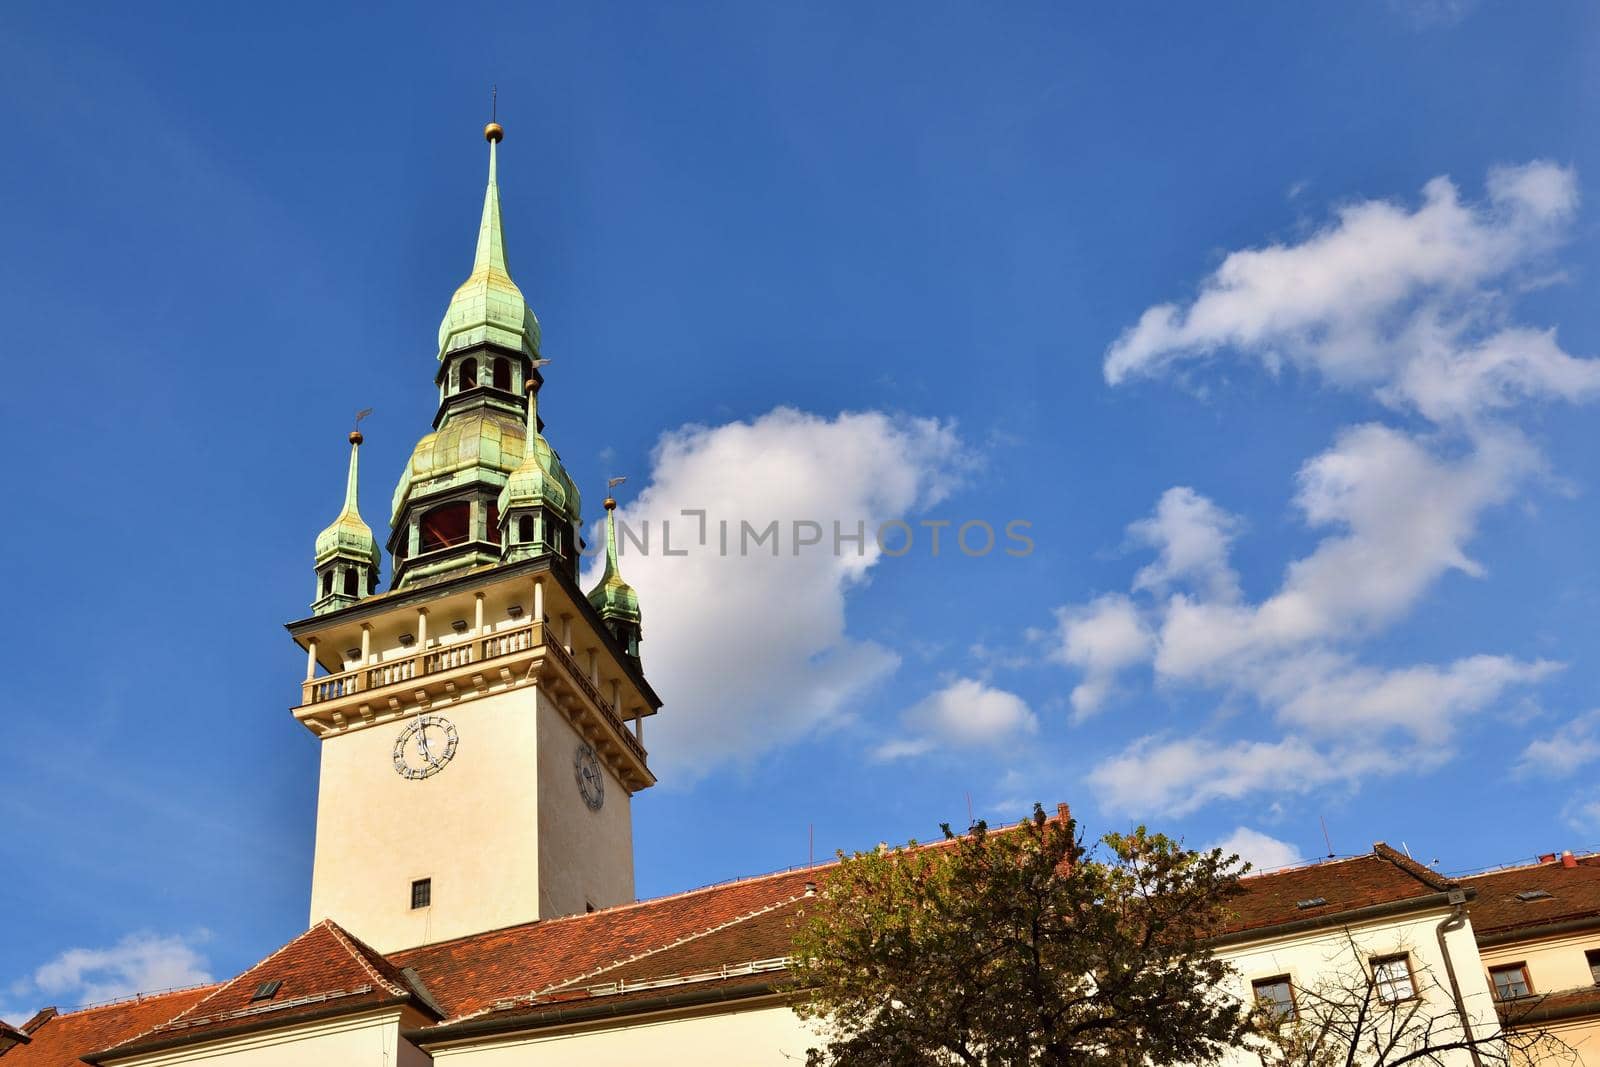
x=246, y=1026
x=548, y=1016
x=1371, y=912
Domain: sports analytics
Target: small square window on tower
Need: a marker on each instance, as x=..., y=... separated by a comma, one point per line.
x=421, y=893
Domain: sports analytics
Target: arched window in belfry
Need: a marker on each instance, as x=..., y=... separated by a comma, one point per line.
x=327, y=581
x=350, y=580
x=469, y=375
x=494, y=521
x=446, y=526
x=502, y=374
x=525, y=530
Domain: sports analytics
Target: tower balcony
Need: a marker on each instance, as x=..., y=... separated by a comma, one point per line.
x=504, y=628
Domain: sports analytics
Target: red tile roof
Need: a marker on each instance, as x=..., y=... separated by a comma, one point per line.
x=1382, y=876
x=471, y=974
x=61, y=1040
x=1574, y=895
x=323, y=971
x=731, y=937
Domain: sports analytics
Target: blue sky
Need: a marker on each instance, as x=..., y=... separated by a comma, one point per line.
x=1305, y=441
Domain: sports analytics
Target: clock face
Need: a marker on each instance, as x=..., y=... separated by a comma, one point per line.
x=424, y=746
x=591, y=779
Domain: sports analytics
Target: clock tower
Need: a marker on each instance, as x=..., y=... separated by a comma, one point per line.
x=481, y=721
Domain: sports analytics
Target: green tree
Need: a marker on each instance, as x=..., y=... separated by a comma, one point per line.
x=1020, y=946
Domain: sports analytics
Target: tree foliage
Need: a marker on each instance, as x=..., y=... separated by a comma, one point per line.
x=1020, y=946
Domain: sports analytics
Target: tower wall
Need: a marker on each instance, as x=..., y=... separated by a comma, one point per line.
x=585, y=856
x=472, y=828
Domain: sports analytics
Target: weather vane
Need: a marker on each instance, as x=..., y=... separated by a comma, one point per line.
x=363, y=413
x=612, y=483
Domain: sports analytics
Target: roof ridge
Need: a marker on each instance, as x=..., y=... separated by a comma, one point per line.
x=1534, y=864
x=1421, y=872
x=624, y=961
x=1327, y=861
x=116, y=1002
x=358, y=951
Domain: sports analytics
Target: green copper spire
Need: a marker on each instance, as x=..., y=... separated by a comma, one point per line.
x=347, y=555
x=539, y=479
x=488, y=307
x=613, y=598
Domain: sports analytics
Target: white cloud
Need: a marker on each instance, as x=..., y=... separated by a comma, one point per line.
x=966, y=713
x=1191, y=536
x=1102, y=638
x=1178, y=777
x=750, y=650
x=1408, y=302
x=1261, y=851
x=139, y=963
x=1559, y=755
x=1399, y=516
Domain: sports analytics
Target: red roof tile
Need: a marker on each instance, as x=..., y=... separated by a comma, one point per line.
x=471, y=974
x=1574, y=894
x=323, y=970
x=1382, y=876
x=61, y=1040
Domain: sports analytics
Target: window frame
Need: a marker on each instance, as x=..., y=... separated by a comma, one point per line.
x=1376, y=962
x=1520, y=967
x=1293, y=1012
x=421, y=888
x=1593, y=956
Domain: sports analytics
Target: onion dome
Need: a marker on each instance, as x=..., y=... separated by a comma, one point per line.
x=482, y=445
x=613, y=598
x=347, y=555
x=539, y=480
x=488, y=307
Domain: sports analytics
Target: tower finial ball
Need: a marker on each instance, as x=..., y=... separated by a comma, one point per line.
x=355, y=437
x=494, y=132
x=611, y=503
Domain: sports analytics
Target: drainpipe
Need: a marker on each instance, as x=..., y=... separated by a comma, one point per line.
x=1453, y=922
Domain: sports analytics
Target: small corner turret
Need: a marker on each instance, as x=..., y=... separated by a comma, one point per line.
x=539, y=506
x=614, y=599
x=347, y=555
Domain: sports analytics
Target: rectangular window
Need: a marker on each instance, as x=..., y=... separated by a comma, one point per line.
x=1275, y=996
x=1510, y=981
x=1594, y=964
x=421, y=893
x=1391, y=976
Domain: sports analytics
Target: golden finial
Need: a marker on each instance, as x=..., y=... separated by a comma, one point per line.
x=612, y=483
x=355, y=434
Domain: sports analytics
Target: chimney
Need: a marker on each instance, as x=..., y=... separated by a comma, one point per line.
x=1063, y=812
x=811, y=889
x=1568, y=860
x=1548, y=857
